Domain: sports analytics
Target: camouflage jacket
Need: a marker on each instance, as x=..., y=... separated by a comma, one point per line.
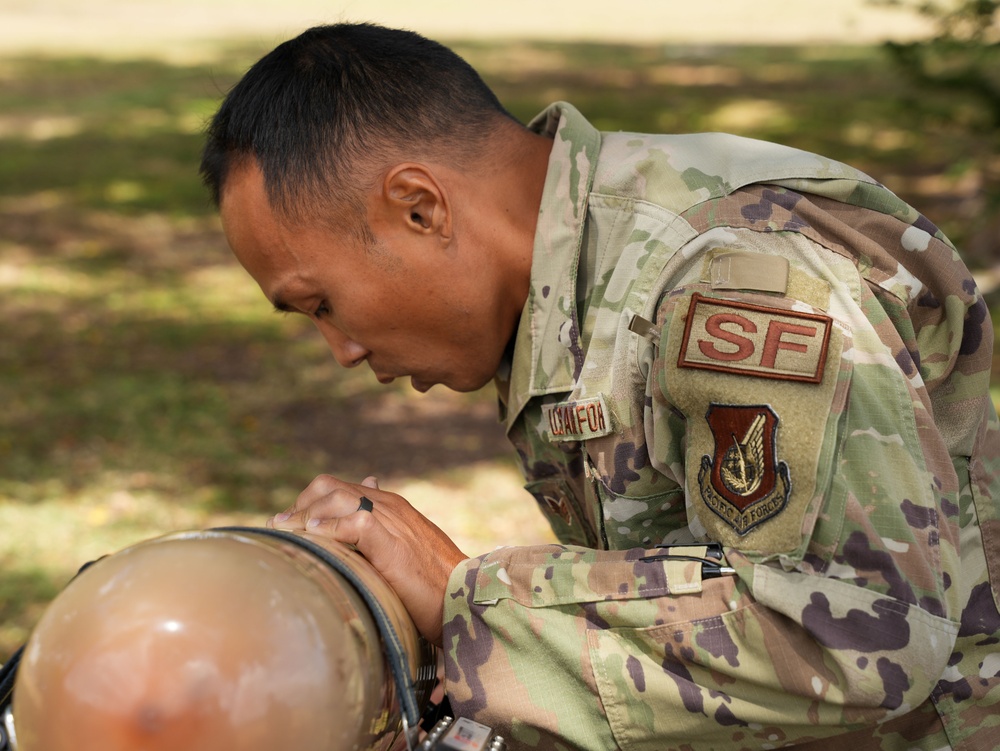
x=735, y=346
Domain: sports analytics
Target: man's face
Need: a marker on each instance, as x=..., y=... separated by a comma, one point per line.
x=407, y=305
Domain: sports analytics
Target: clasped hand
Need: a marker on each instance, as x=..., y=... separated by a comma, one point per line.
x=410, y=552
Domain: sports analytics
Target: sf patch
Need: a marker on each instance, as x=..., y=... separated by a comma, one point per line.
x=743, y=482
x=754, y=340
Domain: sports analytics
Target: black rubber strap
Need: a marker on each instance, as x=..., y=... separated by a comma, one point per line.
x=8, y=672
x=394, y=652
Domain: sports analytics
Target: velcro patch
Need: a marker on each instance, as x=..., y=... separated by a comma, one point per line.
x=754, y=340
x=749, y=271
x=577, y=420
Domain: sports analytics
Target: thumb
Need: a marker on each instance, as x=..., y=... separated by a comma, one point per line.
x=370, y=482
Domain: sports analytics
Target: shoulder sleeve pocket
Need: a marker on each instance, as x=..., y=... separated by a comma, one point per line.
x=762, y=383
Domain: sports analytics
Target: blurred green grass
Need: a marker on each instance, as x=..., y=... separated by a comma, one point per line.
x=147, y=386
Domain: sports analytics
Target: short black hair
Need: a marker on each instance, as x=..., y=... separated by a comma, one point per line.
x=315, y=108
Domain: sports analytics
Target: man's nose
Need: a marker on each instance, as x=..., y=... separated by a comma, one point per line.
x=345, y=350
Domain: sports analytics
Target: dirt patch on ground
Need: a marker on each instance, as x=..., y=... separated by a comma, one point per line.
x=433, y=433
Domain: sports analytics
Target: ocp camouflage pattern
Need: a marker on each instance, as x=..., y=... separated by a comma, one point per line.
x=859, y=503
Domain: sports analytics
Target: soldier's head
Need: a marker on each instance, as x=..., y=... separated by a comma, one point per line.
x=368, y=177
x=324, y=113
x=205, y=641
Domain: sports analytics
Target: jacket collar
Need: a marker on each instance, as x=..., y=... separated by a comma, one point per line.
x=547, y=355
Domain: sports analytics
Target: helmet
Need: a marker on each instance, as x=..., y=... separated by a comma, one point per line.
x=245, y=640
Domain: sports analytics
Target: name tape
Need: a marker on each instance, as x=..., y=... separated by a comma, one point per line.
x=577, y=420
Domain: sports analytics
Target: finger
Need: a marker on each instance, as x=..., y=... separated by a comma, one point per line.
x=280, y=518
x=370, y=482
x=319, y=488
x=350, y=530
x=340, y=502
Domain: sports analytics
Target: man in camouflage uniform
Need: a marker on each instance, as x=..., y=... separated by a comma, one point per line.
x=749, y=388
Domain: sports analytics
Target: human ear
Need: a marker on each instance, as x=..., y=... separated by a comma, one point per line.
x=416, y=198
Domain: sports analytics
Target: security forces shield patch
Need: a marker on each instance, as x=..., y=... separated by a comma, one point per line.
x=743, y=482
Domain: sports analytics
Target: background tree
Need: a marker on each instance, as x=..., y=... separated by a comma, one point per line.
x=954, y=90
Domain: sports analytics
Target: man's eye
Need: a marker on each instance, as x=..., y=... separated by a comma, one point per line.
x=322, y=309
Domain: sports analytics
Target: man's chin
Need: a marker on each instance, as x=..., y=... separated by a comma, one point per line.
x=422, y=386
x=462, y=385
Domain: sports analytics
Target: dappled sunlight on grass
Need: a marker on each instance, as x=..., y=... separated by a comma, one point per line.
x=481, y=506
x=750, y=114
x=678, y=74
x=57, y=536
x=40, y=128
x=883, y=138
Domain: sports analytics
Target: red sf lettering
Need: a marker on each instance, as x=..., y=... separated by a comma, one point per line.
x=732, y=336
x=713, y=327
x=774, y=341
